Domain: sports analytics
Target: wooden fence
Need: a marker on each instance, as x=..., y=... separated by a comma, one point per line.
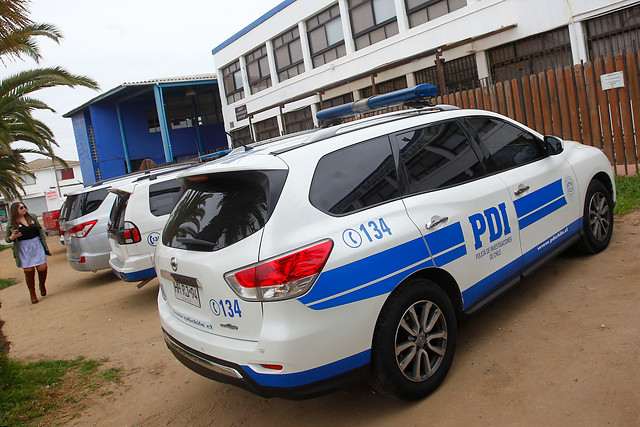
x=570, y=103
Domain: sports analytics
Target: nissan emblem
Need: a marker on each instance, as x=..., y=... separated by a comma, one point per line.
x=174, y=264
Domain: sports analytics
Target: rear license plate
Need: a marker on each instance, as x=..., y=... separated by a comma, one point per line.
x=187, y=293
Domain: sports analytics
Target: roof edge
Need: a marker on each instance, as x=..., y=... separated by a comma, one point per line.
x=251, y=26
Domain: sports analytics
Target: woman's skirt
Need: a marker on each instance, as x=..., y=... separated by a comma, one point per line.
x=31, y=253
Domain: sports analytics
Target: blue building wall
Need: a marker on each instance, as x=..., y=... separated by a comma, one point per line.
x=83, y=146
x=106, y=130
x=121, y=116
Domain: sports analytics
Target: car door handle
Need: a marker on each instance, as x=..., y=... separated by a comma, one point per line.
x=435, y=220
x=521, y=189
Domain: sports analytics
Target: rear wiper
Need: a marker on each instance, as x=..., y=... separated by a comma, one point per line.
x=192, y=241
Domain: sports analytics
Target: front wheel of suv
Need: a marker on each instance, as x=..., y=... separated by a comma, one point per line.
x=414, y=341
x=597, y=222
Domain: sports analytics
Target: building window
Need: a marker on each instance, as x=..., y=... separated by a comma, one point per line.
x=385, y=87
x=241, y=137
x=186, y=111
x=421, y=11
x=153, y=124
x=531, y=55
x=615, y=33
x=64, y=174
x=299, y=120
x=326, y=39
x=288, y=52
x=459, y=74
x=372, y=21
x=98, y=175
x=267, y=129
x=27, y=179
x=338, y=100
x=233, y=87
x=258, y=70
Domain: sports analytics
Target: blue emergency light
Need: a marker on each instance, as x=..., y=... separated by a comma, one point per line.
x=378, y=101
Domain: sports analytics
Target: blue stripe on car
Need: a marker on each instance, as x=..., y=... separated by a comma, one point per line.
x=537, y=205
x=312, y=375
x=348, y=277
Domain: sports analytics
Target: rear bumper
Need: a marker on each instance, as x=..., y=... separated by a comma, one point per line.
x=89, y=262
x=133, y=269
x=230, y=373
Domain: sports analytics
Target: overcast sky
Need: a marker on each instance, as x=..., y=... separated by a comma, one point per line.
x=127, y=41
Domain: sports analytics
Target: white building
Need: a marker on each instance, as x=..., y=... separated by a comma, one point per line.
x=46, y=190
x=305, y=55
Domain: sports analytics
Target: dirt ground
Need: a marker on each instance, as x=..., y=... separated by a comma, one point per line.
x=563, y=348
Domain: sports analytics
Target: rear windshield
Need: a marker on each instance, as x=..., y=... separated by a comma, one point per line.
x=221, y=209
x=116, y=217
x=78, y=205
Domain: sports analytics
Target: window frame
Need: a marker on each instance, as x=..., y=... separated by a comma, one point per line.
x=264, y=81
x=400, y=183
x=229, y=74
x=329, y=47
x=376, y=25
x=476, y=139
x=472, y=142
x=283, y=71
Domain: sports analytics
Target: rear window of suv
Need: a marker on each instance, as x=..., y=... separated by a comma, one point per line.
x=163, y=196
x=79, y=205
x=221, y=209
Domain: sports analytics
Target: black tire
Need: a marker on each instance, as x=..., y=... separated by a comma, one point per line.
x=398, y=365
x=597, y=221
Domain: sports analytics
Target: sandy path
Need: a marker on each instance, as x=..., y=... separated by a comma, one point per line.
x=562, y=348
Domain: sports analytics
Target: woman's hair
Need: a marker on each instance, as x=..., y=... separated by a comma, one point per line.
x=13, y=212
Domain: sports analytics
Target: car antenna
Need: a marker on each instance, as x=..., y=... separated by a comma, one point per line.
x=235, y=142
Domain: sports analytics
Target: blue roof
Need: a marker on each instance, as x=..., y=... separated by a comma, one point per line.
x=251, y=26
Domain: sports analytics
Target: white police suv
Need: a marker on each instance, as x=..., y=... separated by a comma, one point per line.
x=291, y=267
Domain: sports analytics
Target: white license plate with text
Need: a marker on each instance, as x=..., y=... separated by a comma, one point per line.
x=187, y=293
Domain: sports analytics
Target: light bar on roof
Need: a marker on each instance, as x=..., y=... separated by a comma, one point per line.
x=378, y=101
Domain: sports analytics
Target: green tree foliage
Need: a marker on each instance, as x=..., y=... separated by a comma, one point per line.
x=18, y=41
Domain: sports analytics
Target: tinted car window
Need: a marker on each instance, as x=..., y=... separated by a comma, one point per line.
x=504, y=145
x=82, y=204
x=163, y=196
x=116, y=217
x=219, y=210
x=355, y=177
x=438, y=156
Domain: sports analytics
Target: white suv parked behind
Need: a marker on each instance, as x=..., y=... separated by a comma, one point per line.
x=137, y=217
x=291, y=267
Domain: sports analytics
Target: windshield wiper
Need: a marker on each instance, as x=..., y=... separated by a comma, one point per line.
x=192, y=241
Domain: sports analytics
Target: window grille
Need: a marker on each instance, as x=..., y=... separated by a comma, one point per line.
x=615, y=33
x=326, y=39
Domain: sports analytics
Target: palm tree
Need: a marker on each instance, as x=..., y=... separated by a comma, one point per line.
x=18, y=35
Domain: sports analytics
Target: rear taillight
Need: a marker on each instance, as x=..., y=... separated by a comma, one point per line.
x=129, y=234
x=281, y=278
x=81, y=230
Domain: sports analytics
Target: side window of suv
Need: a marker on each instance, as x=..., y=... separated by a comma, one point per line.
x=355, y=177
x=504, y=145
x=163, y=196
x=438, y=156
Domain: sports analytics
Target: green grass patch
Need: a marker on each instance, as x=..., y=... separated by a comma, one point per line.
x=5, y=283
x=40, y=392
x=628, y=192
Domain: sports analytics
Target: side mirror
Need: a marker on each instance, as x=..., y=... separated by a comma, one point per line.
x=553, y=145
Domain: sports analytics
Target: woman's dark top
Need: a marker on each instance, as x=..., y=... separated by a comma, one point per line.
x=28, y=232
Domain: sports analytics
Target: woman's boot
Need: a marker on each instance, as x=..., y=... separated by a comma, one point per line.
x=30, y=277
x=42, y=278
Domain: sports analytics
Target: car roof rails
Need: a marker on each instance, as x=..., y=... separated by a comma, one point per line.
x=154, y=174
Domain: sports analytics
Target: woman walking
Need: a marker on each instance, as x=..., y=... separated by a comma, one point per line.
x=29, y=247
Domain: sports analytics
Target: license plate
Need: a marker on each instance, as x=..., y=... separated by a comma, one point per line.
x=187, y=293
